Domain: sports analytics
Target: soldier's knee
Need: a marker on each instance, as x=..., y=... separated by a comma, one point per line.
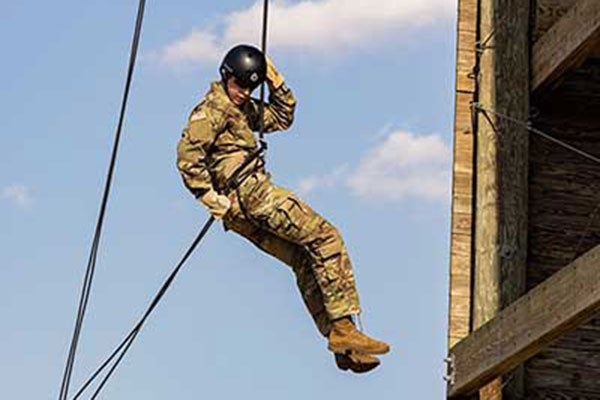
x=331, y=234
x=328, y=242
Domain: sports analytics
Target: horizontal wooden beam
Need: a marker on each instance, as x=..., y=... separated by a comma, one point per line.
x=566, y=300
x=570, y=41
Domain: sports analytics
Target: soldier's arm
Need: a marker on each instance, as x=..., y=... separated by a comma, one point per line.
x=192, y=161
x=279, y=111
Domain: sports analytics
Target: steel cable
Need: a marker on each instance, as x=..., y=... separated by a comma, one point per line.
x=538, y=132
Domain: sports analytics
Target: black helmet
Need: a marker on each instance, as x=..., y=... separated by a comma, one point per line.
x=246, y=64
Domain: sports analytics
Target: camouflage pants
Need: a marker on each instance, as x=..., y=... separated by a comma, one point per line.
x=281, y=224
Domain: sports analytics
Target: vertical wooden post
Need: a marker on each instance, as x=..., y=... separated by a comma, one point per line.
x=459, y=323
x=502, y=168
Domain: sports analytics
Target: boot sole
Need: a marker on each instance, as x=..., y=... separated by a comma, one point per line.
x=339, y=349
x=345, y=363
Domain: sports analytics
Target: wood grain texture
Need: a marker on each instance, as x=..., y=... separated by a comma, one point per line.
x=567, y=44
x=462, y=192
x=546, y=13
x=564, y=193
x=502, y=167
x=564, y=301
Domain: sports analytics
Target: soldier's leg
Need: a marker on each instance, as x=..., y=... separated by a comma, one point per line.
x=281, y=212
x=296, y=257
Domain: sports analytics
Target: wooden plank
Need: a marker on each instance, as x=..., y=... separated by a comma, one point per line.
x=567, y=44
x=466, y=38
x=557, y=306
x=462, y=183
x=563, y=195
x=502, y=167
x=547, y=12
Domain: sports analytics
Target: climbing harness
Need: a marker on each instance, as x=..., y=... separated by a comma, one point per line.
x=234, y=181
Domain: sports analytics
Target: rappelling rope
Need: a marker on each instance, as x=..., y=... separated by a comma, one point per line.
x=121, y=350
x=91, y=265
x=124, y=346
x=265, y=28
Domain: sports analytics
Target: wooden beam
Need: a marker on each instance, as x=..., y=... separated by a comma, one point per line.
x=502, y=169
x=566, y=45
x=462, y=183
x=557, y=306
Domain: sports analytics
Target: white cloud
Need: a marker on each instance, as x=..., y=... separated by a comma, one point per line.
x=312, y=183
x=404, y=165
x=19, y=195
x=323, y=27
x=198, y=46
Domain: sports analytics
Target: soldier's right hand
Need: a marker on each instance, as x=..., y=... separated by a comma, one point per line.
x=217, y=204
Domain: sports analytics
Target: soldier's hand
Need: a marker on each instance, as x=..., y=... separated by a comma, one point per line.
x=274, y=77
x=217, y=204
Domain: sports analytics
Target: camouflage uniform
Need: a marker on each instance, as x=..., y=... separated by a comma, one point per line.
x=218, y=137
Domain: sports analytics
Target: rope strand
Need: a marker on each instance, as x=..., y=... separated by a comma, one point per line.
x=125, y=345
x=91, y=265
x=122, y=349
x=261, y=134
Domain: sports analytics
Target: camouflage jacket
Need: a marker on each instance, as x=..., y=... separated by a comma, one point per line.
x=219, y=135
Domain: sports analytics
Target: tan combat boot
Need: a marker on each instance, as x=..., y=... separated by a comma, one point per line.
x=356, y=362
x=344, y=337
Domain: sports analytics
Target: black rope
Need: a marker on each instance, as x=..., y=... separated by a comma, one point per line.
x=126, y=343
x=91, y=265
x=261, y=135
x=121, y=350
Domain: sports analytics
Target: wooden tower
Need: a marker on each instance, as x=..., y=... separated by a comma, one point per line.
x=524, y=318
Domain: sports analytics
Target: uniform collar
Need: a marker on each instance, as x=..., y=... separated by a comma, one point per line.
x=218, y=89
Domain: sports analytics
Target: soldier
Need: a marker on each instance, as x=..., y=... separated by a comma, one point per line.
x=216, y=141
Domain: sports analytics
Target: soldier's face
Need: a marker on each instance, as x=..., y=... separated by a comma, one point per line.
x=238, y=95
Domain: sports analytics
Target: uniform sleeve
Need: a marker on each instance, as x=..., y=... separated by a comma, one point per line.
x=279, y=111
x=192, y=160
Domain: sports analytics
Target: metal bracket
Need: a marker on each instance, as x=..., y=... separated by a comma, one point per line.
x=450, y=369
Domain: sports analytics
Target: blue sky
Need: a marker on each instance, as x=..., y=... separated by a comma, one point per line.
x=370, y=150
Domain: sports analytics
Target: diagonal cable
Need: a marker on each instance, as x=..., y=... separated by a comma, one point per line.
x=91, y=265
x=585, y=232
x=538, y=132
